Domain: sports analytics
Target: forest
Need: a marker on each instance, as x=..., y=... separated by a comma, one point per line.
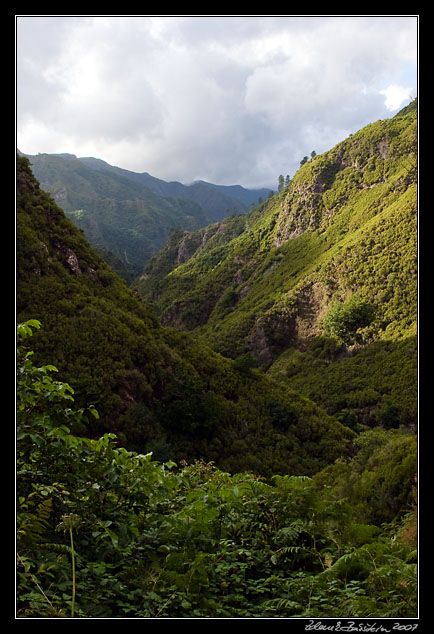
x=106, y=532
x=235, y=434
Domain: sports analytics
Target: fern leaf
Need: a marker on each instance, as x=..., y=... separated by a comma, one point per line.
x=281, y=604
x=34, y=525
x=55, y=548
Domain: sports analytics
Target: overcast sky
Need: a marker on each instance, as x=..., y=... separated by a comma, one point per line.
x=226, y=99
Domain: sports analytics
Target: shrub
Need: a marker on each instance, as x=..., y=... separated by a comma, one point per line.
x=345, y=318
x=108, y=533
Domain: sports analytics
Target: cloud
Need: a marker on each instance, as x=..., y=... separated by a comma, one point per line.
x=396, y=96
x=228, y=99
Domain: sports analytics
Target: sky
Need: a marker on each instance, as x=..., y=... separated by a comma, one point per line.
x=225, y=99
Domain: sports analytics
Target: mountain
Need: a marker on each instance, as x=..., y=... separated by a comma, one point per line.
x=124, y=219
x=129, y=216
x=318, y=284
x=158, y=389
x=215, y=200
x=276, y=480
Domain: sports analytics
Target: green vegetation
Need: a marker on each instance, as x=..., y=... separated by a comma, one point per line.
x=333, y=254
x=119, y=215
x=262, y=465
x=129, y=216
x=155, y=388
x=345, y=318
x=108, y=533
x=361, y=386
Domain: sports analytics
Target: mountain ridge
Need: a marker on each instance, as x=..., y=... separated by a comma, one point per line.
x=128, y=216
x=266, y=284
x=231, y=195
x=278, y=479
x=158, y=389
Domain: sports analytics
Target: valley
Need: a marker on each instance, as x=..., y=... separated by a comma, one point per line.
x=220, y=407
x=129, y=216
x=271, y=284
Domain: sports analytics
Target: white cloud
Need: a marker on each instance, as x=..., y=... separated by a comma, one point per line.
x=235, y=99
x=396, y=96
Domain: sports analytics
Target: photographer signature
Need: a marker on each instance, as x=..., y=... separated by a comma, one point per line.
x=352, y=626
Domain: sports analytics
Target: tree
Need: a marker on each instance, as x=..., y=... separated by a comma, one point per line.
x=344, y=318
x=281, y=183
x=313, y=154
x=304, y=160
x=108, y=533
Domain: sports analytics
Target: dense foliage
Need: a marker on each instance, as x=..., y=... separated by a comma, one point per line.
x=324, y=270
x=118, y=215
x=345, y=318
x=128, y=215
x=105, y=532
x=264, y=464
x=156, y=388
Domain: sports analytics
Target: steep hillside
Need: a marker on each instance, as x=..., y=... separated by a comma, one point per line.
x=129, y=216
x=319, y=283
x=124, y=218
x=158, y=389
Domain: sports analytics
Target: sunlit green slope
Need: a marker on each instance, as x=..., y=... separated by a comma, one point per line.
x=158, y=389
x=319, y=283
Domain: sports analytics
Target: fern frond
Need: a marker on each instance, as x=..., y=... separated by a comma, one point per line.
x=351, y=564
x=397, y=610
x=173, y=578
x=34, y=525
x=289, y=533
x=281, y=604
x=55, y=547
